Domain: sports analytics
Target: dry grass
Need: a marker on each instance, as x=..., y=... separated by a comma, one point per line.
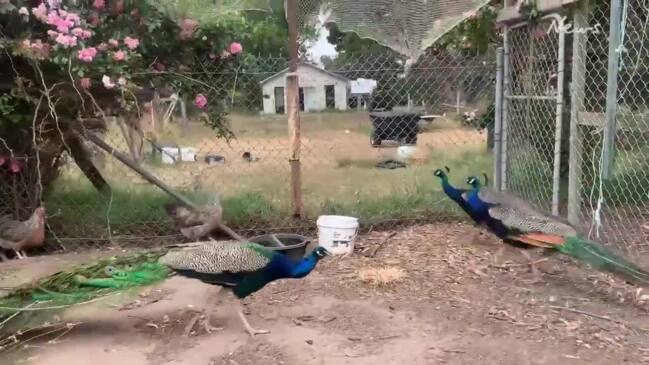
x=381, y=276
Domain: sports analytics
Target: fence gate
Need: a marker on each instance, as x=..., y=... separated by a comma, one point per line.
x=533, y=111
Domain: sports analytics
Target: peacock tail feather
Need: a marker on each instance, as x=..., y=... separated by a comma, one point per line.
x=602, y=259
x=84, y=283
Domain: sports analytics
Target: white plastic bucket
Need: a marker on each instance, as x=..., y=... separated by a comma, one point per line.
x=336, y=233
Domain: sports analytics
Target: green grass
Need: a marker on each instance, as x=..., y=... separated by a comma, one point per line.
x=339, y=175
x=83, y=212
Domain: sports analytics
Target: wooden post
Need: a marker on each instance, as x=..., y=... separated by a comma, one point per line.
x=577, y=86
x=458, y=109
x=293, y=109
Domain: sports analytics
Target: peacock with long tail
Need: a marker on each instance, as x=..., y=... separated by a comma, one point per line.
x=237, y=268
x=514, y=220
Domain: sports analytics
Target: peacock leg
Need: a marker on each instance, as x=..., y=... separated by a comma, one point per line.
x=208, y=312
x=532, y=264
x=498, y=255
x=251, y=331
x=18, y=255
x=24, y=254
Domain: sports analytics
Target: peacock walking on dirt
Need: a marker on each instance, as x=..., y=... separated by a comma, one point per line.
x=238, y=268
x=514, y=220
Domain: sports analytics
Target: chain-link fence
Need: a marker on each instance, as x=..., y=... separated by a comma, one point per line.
x=582, y=155
x=371, y=137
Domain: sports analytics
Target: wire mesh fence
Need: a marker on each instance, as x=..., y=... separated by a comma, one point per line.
x=557, y=152
x=366, y=150
x=615, y=203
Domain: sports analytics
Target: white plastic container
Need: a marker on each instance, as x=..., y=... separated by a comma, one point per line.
x=169, y=154
x=188, y=154
x=336, y=233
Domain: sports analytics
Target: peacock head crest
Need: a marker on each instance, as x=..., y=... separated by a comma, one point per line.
x=320, y=252
x=441, y=173
x=473, y=181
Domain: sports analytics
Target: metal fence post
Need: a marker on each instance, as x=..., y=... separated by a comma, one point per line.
x=505, y=118
x=611, y=89
x=577, y=87
x=556, y=174
x=498, y=119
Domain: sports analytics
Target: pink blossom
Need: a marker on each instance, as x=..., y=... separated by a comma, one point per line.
x=87, y=54
x=85, y=83
x=72, y=18
x=102, y=46
x=62, y=25
x=40, y=12
x=212, y=56
x=113, y=42
x=235, y=48
x=108, y=83
x=99, y=4
x=53, y=34
x=39, y=49
x=66, y=40
x=119, y=55
x=122, y=81
x=23, y=11
x=14, y=166
x=3, y=159
x=187, y=28
x=82, y=33
x=200, y=101
x=131, y=43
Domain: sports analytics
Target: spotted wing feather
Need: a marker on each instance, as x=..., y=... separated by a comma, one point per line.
x=219, y=257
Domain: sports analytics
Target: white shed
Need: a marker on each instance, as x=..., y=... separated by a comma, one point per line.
x=319, y=90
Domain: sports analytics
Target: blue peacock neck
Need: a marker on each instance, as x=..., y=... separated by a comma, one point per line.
x=303, y=267
x=449, y=190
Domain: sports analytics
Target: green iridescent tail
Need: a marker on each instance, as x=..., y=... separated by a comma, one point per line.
x=603, y=259
x=82, y=284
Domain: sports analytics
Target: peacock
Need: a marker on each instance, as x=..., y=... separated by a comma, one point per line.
x=237, y=268
x=514, y=220
x=457, y=195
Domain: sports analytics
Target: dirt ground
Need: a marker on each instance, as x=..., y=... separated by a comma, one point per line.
x=440, y=299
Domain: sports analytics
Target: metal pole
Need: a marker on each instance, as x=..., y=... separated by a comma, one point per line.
x=611, y=89
x=504, y=119
x=577, y=86
x=498, y=118
x=556, y=175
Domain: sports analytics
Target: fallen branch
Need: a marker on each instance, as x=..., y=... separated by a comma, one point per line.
x=381, y=244
x=597, y=316
x=153, y=180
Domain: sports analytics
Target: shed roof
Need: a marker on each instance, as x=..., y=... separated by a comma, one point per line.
x=302, y=63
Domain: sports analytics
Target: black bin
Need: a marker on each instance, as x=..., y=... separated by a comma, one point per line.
x=401, y=127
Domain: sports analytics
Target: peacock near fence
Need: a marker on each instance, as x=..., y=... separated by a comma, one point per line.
x=517, y=222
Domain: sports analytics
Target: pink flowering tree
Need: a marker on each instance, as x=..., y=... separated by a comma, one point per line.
x=67, y=64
